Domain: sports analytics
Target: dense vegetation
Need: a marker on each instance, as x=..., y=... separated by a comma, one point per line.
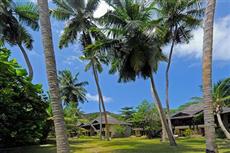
x=22, y=104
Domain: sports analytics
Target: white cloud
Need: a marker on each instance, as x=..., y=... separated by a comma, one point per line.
x=61, y=32
x=102, y=9
x=35, y=1
x=94, y=98
x=72, y=59
x=221, y=42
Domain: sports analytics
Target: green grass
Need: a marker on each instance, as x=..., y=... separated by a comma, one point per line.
x=129, y=145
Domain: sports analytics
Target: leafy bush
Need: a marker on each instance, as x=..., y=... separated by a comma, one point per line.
x=71, y=119
x=187, y=133
x=119, y=131
x=22, y=105
x=177, y=132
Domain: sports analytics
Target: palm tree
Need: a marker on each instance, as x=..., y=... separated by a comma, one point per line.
x=59, y=123
x=79, y=15
x=138, y=53
x=207, y=78
x=179, y=18
x=96, y=59
x=71, y=90
x=14, y=16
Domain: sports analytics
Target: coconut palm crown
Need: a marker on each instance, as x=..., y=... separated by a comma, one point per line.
x=72, y=91
x=80, y=18
x=139, y=52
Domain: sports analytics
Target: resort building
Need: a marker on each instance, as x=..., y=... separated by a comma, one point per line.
x=117, y=128
x=192, y=118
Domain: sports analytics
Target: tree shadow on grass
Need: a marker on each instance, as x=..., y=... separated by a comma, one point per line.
x=31, y=149
x=126, y=145
x=143, y=147
x=192, y=140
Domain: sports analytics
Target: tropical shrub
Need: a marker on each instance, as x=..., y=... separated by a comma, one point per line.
x=146, y=116
x=187, y=133
x=71, y=116
x=22, y=104
x=177, y=132
x=119, y=131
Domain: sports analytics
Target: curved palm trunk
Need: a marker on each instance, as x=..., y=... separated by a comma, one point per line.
x=207, y=78
x=101, y=99
x=161, y=113
x=226, y=133
x=164, y=136
x=167, y=77
x=167, y=85
x=59, y=123
x=100, y=133
x=30, y=69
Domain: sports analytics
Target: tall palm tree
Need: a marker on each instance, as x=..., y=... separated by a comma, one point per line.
x=79, y=15
x=138, y=53
x=14, y=16
x=96, y=59
x=179, y=18
x=71, y=90
x=207, y=77
x=59, y=123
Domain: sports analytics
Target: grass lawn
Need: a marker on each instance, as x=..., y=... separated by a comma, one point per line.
x=129, y=145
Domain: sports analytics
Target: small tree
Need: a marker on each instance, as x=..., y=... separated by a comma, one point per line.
x=146, y=116
x=127, y=113
x=71, y=89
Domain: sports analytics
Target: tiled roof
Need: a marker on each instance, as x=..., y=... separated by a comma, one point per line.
x=111, y=120
x=194, y=109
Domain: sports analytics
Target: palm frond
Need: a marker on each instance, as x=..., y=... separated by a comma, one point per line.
x=91, y=6
x=72, y=91
x=61, y=13
x=63, y=4
x=70, y=32
x=25, y=38
x=28, y=14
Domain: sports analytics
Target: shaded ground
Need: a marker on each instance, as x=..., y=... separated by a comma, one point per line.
x=127, y=145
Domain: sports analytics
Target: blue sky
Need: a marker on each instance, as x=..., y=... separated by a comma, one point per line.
x=185, y=75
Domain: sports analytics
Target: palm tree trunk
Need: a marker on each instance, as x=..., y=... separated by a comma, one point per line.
x=101, y=99
x=207, y=78
x=30, y=69
x=100, y=133
x=161, y=113
x=59, y=123
x=164, y=136
x=226, y=133
x=167, y=81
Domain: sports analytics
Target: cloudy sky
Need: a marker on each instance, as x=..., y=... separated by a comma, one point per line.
x=185, y=71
